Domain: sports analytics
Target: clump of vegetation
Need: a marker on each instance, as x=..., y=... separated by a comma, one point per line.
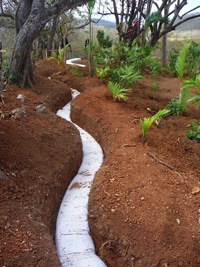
x=194, y=132
x=147, y=122
x=102, y=72
x=103, y=41
x=60, y=55
x=175, y=107
x=172, y=61
x=195, y=99
x=178, y=105
x=118, y=92
x=192, y=63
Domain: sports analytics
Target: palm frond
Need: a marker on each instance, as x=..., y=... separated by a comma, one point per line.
x=180, y=62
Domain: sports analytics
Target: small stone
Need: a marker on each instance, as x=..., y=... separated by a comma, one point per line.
x=113, y=210
x=41, y=109
x=142, y=198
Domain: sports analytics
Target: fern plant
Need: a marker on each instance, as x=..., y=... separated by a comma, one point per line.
x=118, y=92
x=147, y=122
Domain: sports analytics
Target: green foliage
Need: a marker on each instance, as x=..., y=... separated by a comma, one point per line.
x=194, y=132
x=16, y=79
x=172, y=61
x=193, y=60
x=180, y=62
x=175, y=107
x=147, y=122
x=127, y=75
x=195, y=99
x=102, y=72
x=118, y=92
x=59, y=56
x=103, y=41
x=90, y=7
x=154, y=18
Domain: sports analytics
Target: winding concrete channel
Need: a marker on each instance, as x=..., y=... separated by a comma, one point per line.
x=74, y=244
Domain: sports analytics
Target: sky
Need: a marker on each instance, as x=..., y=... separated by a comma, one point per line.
x=191, y=4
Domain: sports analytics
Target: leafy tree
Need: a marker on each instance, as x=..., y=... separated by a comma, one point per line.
x=31, y=16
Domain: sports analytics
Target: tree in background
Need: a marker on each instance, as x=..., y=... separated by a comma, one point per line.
x=31, y=16
x=103, y=41
x=146, y=20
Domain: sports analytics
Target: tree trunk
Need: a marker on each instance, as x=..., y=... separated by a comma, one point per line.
x=52, y=34
x=31, y=17
x=164, y=41
x=21, y=69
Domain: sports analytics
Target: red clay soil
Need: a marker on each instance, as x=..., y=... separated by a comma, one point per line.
x=144, y=204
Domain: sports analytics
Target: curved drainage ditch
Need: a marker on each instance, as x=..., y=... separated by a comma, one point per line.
x=73, y=241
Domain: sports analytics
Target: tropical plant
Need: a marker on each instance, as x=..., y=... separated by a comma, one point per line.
x=59, y=56
x=118, y=92
x=181, y=60
x=193, y=60
x=103, y=41
x=180, y=70
x=194, y=132
x=175, y=107
x=195, y=99
x=102, y=72
x=172, y=61
x=127, y=75
x=154, y=18
x=147, y=122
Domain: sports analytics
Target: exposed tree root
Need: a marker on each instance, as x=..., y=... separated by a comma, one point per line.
x=149, y=153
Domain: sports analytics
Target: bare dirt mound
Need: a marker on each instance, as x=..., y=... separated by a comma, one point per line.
x=143, y=209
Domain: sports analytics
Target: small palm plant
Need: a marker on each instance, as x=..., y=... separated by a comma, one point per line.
x=102, y=72
x=147, y=122
x=118, y=92
x=128, y=75
x=59, y=56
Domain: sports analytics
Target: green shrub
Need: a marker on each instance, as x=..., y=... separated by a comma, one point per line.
x=194, y=132
x=175, y=106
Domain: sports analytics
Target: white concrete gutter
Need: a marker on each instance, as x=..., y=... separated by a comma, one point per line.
x=74, y=243
x=72, y=62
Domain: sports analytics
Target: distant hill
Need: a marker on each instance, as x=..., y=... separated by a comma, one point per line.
x=104, y=23
x=193, y=24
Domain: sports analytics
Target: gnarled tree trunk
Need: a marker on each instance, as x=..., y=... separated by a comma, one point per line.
x=31, y=17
